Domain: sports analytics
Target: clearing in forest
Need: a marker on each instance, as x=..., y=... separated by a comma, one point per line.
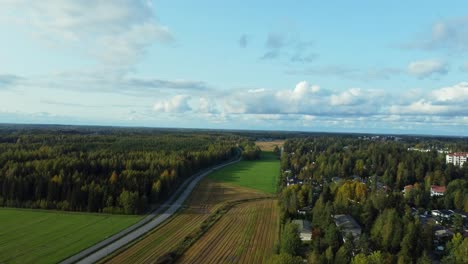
x=39, y=236
x=260, y=174
x=269, y=145
x=246, y=234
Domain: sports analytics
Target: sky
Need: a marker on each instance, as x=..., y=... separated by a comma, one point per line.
x=333, y=66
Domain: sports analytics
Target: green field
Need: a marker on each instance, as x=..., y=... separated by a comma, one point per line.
x=260, y=174
x=37, y=236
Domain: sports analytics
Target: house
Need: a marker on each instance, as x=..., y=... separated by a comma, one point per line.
x=304, y=210
x=443, y=234
x=437, y=190
x=442, y=215
x=348, y=225
x=457, y=158
x=407, y=189
x=293, y=180
x=304, y=229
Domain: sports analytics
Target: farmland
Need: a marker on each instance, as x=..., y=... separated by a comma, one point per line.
x=246, y=234
x=243, y=180
x=206, y=198
x=36, y=236
x=269, y=145
x=260, y=174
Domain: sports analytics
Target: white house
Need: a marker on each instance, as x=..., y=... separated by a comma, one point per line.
x=457, y=158
x=437, y=190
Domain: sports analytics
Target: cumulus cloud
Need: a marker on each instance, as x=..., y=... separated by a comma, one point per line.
x=303, y=99
x=176, y=104
x=451, y=94
x=304, y=89
x=114, y=32
x=427, y=68
x=349, y=97
x=445, y=101
x=207, y=106
x=420, y=107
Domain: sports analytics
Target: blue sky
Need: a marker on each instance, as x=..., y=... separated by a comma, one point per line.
x=348, y=66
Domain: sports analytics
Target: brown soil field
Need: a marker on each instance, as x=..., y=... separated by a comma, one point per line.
x=206, y=198
x=245, y=234
x=269, y=145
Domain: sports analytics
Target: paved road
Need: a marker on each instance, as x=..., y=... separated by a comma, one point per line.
x=111, y=244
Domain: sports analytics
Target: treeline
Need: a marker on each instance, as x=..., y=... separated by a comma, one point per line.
x=119, y=171
x=368, y=178
x=250, y=151
x=325, y=157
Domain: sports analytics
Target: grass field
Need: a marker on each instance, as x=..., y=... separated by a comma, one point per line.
x=246, y=234
x=36, y=236
x=258, y=174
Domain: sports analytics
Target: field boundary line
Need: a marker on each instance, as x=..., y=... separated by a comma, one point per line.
x=184, y=245
x=164, y=208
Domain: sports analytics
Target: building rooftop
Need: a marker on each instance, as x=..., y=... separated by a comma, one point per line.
x=460, y=154
x=348, y=225
x=304, y=225
x=439, y=189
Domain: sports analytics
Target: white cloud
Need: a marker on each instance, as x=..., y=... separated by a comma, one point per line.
x=115, y=32
x=420, y=107
x=304, y=89
x=260, y=90
x=455, y=93
x=427, y=68
x=303, y=99
x=176, y=104
x=346, y=98
x=207, y=105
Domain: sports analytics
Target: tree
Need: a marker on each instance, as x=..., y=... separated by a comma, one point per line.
x=343, y=255
x=332, y=236
x=329, y=255
x=359, y=167
x=128, y=201
x=290, y=239
x=387, y=230
x=458, y=223
x=424, y=259
x=285, y=259
x=374, y=258
x=155, y=190
x=458, y=250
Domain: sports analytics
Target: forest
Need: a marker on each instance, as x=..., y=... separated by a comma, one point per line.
x=364, y=178
x=110, y=170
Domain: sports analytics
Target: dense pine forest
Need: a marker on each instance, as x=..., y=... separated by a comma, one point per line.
x=362, y=178
x=108, y=170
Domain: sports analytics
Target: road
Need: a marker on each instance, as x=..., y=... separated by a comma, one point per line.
x=154, y=219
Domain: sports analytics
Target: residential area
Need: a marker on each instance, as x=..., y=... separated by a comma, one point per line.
x=335, y=205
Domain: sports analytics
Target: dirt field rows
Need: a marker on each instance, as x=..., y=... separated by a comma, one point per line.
x=206, y=198
x=246, y=234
